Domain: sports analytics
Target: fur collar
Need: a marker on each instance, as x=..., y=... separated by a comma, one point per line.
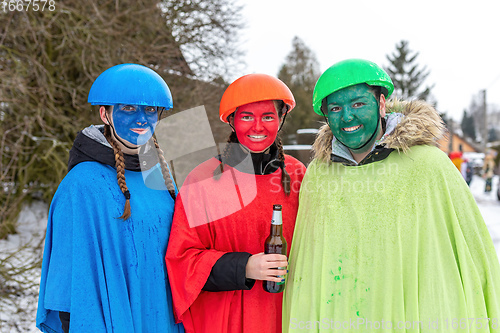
x=421, y=125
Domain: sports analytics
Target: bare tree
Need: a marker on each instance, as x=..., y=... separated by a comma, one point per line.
x=207, y=33
x=49, y=59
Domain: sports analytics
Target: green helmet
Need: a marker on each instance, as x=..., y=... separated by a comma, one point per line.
x=348, y=73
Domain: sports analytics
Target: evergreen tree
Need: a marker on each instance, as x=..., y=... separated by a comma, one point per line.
x=300, y=73
x=406, y=74
x=467, y=125
x=476, y=115
x=492, y=135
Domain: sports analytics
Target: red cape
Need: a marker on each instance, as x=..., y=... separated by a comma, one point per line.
x=213, y=217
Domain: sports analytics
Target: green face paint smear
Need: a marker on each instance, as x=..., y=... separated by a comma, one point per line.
x=346, y=285
x=353, y=115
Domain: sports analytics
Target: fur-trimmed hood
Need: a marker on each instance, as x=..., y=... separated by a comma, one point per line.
x=420, y=125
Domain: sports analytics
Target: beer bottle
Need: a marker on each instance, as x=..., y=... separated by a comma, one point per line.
x=275, y=243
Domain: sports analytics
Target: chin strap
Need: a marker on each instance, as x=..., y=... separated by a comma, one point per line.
x=371, y=137
x=323, y=112
x=117, y=137
x=284, y=117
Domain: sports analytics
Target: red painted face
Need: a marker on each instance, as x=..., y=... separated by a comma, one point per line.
x=256, y=125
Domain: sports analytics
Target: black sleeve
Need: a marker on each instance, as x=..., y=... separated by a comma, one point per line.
x=64, y=317
x=229, y=273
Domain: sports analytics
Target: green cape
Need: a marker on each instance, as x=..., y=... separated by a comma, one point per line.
x=397, y=245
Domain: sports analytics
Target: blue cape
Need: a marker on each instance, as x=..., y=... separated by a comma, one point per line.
x=107, y=273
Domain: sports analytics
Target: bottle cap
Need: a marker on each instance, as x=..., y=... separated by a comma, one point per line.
x=277, y=207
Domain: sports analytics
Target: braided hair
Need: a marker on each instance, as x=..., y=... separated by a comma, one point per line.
x=164, y=169
x=285, y=176
x=225, y=155
x=120, y=169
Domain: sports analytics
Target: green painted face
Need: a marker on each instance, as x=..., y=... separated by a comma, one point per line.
x=353, y=116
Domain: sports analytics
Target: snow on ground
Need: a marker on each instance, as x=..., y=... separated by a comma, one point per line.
x=20, y=254
x=17, y=314
x=489, y=205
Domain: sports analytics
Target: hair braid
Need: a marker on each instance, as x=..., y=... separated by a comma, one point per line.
x=120, y=171
x=164, y=170
x=225, y=155
x=285, y=177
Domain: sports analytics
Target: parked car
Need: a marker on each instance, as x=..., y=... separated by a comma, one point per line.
x=476, y=160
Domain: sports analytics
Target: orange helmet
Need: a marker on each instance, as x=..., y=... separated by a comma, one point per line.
x=254, y=88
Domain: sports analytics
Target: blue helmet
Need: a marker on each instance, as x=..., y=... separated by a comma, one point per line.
x=130, y=84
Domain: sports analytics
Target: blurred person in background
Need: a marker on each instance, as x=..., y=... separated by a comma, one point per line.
x=467, y=170
x=457, y=159
x=488, y=170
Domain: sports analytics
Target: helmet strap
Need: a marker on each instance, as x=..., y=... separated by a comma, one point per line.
x=326, y=120
x=369, y=140
x=116, y=135
x=283, y=121
x=323, y=102
x=229, y=121
x=373, y=134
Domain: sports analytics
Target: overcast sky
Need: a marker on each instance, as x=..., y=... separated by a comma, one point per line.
x=458, y=41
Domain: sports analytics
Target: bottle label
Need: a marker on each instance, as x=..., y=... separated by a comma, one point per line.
x=277, y=220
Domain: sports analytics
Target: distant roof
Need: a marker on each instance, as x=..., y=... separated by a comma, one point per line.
x=297, y=147
x=473, y=155
x=307, y=131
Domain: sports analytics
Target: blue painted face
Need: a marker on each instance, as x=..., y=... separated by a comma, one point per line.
x=353, y=115
x=134, y=123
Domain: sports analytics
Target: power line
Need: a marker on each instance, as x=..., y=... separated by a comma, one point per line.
x=498, y=77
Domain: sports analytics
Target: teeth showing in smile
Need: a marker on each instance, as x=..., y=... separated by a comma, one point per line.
x=350, y=129
x=257, y=136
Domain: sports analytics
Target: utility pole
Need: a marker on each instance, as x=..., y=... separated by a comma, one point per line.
x=451, y=131
x=485, y=124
